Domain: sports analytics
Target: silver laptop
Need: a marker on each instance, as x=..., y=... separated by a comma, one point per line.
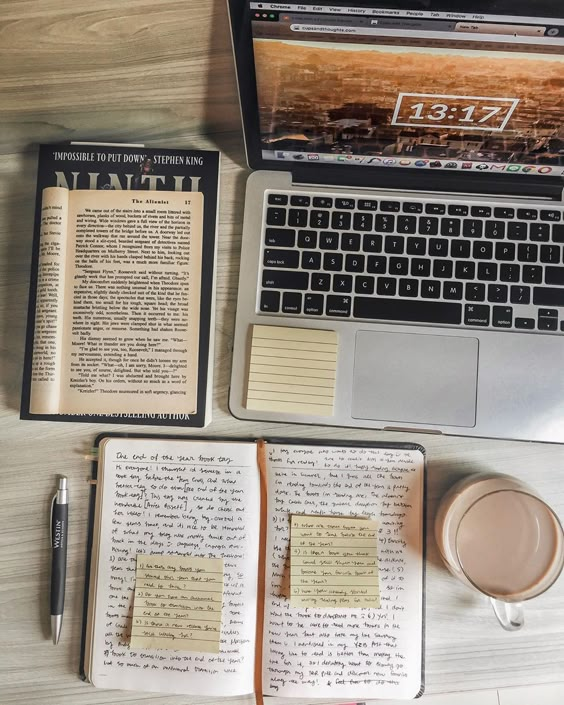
x=405, y=211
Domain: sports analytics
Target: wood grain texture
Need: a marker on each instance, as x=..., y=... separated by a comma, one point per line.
x=161, y=73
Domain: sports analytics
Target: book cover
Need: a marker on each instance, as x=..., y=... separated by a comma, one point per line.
x=127, y=169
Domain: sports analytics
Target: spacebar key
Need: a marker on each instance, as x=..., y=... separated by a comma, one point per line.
x=412, y=311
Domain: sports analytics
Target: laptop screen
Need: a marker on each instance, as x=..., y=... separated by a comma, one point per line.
x=415, y=89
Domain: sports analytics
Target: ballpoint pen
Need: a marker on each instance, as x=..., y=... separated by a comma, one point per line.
x=59, y=533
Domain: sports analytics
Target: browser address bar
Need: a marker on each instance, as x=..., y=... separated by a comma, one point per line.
x=329, y=29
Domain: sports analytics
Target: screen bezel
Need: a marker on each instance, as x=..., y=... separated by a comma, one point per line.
x=378, y=177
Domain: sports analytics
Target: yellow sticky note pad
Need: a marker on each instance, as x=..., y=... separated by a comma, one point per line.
x=333, y=562
x=177, y=603
x=292, y=370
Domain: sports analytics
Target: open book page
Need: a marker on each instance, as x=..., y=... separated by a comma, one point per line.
x=48, y=335
x=348, y=653
x=174, y=498
x=132, y=305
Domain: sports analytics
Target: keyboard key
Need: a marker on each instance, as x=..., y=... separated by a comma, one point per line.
x=339, y=306
x=465, y=270
x=450, y=227
x=407, y=224
x=372, y=243
x=532, y=274
x=317, y=219
x=287, y=259
x=547, y=319
x=475, y=292
x=473, y=228
x=520, y=294
x=386, y=286
x=497, y=293
x=307, y=238
x=277, y=199
x=527, y=214
x=525, y=323
x=311, y=260
x=321, y=282
x=438, y=247
x=435, y=208
x=528, y=253
x=430, y=289
x=300, y=200
x=558, y=233
x=376, y=265
x=428, y=226
x=354, y=263
x=416, y=246
x=313, y=304
x=322, y=202
x=502, y=316
x=482, y=250
x=459, y=248
x=548, y=296
x=364, y=285
x=495, y=229
x=362, y=221
x=297, y=218
x=408, y=287
x=394, y=244
x=550, y=254
x=385, y=223
x=402, y=310
x=508, y=213
x=276, y=216
x=452, y=290
x=539, y=232
x=345, y=203
x=553, y=216
x=291, y=302
x=332, y=262
x=399, y=265
x=420, y=267
x=411, y=207
x=350, y=242
x=277, y=237
x=442, y=268
x=390, y=206
x=476, y=315
x=457, y=209
x=509, y=272
x=487, y=271
x=504, y=251
x=281, y=279
x=329, y=241
x=554, y=275
x=340, y=220
x=270, y=301
x=367, y=205
x=342, y=283
x=481, y=212
x=517, y=231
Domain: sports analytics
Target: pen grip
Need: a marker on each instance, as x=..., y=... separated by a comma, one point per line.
x=59, y=557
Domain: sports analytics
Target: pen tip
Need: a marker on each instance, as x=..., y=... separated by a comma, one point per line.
x=56, y=623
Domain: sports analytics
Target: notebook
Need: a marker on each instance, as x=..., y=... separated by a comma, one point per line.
x=406, y=198
x=222, y=568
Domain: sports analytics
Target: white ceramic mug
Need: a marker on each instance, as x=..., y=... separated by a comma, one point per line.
x=497, y=536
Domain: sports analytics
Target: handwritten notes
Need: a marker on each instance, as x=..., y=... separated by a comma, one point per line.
x=176, y=498
x=177, y=603
x=344, y=653
x=333, y=562
x=292, y=370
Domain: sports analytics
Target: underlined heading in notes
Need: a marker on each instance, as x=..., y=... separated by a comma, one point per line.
x=177, y=603
x=292, y=370
x=333, y=562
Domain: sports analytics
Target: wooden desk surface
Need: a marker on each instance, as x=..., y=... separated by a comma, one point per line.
x=161, y=73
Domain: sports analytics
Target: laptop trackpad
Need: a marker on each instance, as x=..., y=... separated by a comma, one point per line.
x=415, y=378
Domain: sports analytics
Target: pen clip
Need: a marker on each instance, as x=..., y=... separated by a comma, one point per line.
x=51, y=519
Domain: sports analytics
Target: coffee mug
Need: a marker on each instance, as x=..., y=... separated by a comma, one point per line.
x=497, y=536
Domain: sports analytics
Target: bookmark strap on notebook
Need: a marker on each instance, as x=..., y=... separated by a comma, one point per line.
x=261, y=587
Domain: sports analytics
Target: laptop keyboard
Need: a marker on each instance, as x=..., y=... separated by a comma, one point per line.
x=481, y=265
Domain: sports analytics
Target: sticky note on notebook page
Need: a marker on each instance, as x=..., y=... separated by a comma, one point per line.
x=333, y=562
x=177, y=603
x=292, y=370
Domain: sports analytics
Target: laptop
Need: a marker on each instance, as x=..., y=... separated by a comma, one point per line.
x=402, y=257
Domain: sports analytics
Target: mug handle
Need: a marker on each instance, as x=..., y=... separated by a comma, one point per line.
x=510, y=615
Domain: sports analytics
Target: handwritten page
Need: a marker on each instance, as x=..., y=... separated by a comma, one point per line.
x=343, y=653
x=177, y=603
x=333, y=562
x=184, y=497
x=292, y=370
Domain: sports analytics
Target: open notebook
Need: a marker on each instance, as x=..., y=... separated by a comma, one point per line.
x=161, y=616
